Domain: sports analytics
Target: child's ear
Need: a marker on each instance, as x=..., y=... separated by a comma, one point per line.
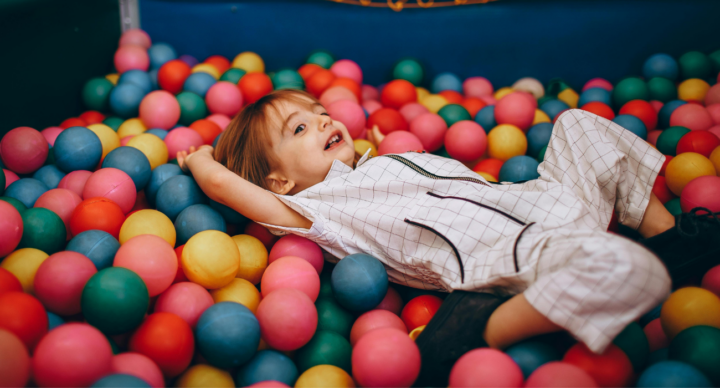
x=279, y=184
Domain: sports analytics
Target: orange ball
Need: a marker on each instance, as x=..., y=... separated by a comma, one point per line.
x=452, y=96
x=73, y=122
x=398, y=93
x=166, y=339
x=490, y=166
x=685, y=167
x=600, y=109
x=207, y=129
x=612, y=368
x=307, y=70
x=254, y=86
x=97, y=213
x=642, y=110
x=92, y=117
x=473, y=105
x=419, y=311
x=221, y=63
x=348, y=84
x=388, y=120
x=172, y=75
x=319, y=81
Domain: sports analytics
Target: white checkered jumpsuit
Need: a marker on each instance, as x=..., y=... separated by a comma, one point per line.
x=435, y=224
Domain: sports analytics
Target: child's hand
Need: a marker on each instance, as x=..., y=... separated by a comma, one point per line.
x=184, y=156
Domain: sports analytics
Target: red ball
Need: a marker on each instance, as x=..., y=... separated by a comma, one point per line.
x=399, y=142
x=166, y=339
x=391, y=302
x=668, y=158
x=97, y=213
x=319, y=81
x=490, y=166
x=8, y=282
x=73, y=122
x=372, y=320
x=661, y=190
x=486, y=368
x=612, y=368
x=92, y=117
x=14, y=361
x=207, y=129
x=348, y=84
x=466, y=140
x=473, y=105
x=430, y=129
x=711, y=280
x=642, y=110
x=11, y=229
x=60, y=280
x=307, y=70
x=23, y=150
x=559, y=375
x=657, y=339
x=254, y=86
x=288, y=319
x=600, y=109
x=452, y=96
x=24, y=316
x=261, y=233
x=385, y=357
x=700, y=142
x=398, y=93
x=653, y=135
x=388, y=120
x=298, y=246
x=714, y=111
x=701, y=192
x=180, y=275
x=516, y=109
x=172, y=75
x=420, y=310
x=692, y=116
x=221, y=63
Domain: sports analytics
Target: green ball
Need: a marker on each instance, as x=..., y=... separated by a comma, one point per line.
x=96, y=93
x=17, y=204
x=192, y=108
x=673, y=206
x=115, y=300
x=699, y=346
x=541, y=155
x=113, y=122
x=442, y=152
x=409, y=70
x=287, y=79
x=325, y=348
x=321, y=58
x=43, y=230
x=545, y=99
x=452, y=113
x=695, y=64
x=325, y=285
x=113, y=345
x=629, y=89
x=669, y=138
x=633, y=341
x=662, y=89
x=50, y=157
x=333, y=317
x=715, y=60
x=233, y=75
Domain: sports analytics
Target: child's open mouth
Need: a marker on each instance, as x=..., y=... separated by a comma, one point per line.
x=334, y=141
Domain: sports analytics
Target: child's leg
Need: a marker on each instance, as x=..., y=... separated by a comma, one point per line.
x=657, y=219
x=514, y=321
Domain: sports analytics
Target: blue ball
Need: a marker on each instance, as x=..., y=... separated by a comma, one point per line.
x=161, y=133
x=77, y=148
x=538, y=136
x=217, y=139
x=54, y=320
x=227, y=334
x=673, y=374
x=553, y=107
x=125, y=100
x=199, y=83
x=120, y=380
x=97, y=245
x=158, y=176
x=518, y=169
x=486, y=118
x=50, y=175
x=138, y=78
x=195, y=219
x=531, y=355
x=177, y=193
x=160, y=53
x=666, y=111
x=359, y=282
x=228, y=213
x=632, y=124
x=268, y=365
x=26, y=190
x=131, y=161
x=154, y=79
x=446, y=81
x=661, y=65
x=595, y=94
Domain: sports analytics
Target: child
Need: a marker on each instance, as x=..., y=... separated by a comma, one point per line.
x=437, y=225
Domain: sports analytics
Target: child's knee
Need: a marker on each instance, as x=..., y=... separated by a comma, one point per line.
x=642, y=270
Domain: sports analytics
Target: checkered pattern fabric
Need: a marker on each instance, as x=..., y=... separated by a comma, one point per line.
x=545, y=237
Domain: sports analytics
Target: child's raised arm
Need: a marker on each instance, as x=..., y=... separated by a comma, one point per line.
x=224, y=186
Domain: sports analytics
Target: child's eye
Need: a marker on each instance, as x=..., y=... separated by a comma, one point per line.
x=324, y=114
x=300, y=128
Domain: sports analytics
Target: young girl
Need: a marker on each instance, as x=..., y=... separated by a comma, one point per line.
x=437, y=225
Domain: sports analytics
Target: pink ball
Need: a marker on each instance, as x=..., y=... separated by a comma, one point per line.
x=375, y=319
x=62, y=202
x=466, y=141
x=516, y=109
x=75, y=181
x=560, y=375
x=60, y=280
x=220, y=119
x=692, y=116
x=598, y=83
x=10, y=177
x=701, y=192
x=711, y=280
x=294, y=245
x=370, y=93
x=430, y=129
x=112, y=184
x=291, y=272
x=655, y=335
x=386, y=357
x=715, y=130
x=412, y=110
x=477, y=87
x=135, y=36
x=225, y=98
x=653, y=135
x=371, y=106
x=50, y=134
x=159, y=109
x=152, y=258
x=346, y=68
x=714, y=111
x=131, y=57
x=287, y=318
x=140, y=366
x=23, y=150
x=72, y=355
x=349, y=113
x=125, y=140
x=186, y=300
x=337, y=93
x=489, y=100
x=11, y=228
x=268, y=384
x=14, y=361
x=657, y=105
x=713, y=95
x=181, y=139
x=486, y=368
x=398, y=142
x=391, y=302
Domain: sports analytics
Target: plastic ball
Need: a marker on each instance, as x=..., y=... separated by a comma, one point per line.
x=125, y=100
x=385, y=357
x=50, y=134
x=211, y=259
x=54, y=321
x=291, y=272
x=434, y=102
x=673, y=206
x=152, y=258
x=453, y=113
x=642, y=110
x=633, y=342
x=430, y=129
x=160, y=53
x=138, y=365
x=712, y=97
x=224, y=98
x=350, y=114
x=135, y=36
x=553, y=107
x=325, y=376
x=248, y=61
x=98, y=246
x=699, y=346
x=202, y=375
x=199, y=83
x=77, y=148
x=192, y=108
x=120, y=380
x=599, y=109
x=672, y=374
x=666, y=112
x=486, y=118
x=337, y=93
x=477, y=87
x=254, y=258
x=177, y=193
x=465, y=141
x=167, y=340
x=485, y=368
x=60, y=279
x=446, y=81
x=669, y=138
x=629, y=89
x=189, y=60
x=347, y=69
x=159, y=109
x=688, y=307
x=490, y=166
x=332, y=317
x=148, y=221
x=693, y=90
x=181, y=139
x=632, y=124
x=131, y=57
x=559, y=374
x=96, y=93
x=138, y=78
x=43, y=230
x=293, y=245
x=14, y=361
x=399, y=142
x=26, y=190
x=388, y=120
x=152, y=147
x=701, y=142
x=595, y=94
x=398, y=93
x=612, y=368
x=661, y=65
x=325, y=348
x=517, y=109
x=195, y=219
x=11, y=228
x=288, y=79
x=172, y=75
x=186, y=300
x=23, y=150
x=288, y=319
x=108, y=138
x=227, y=334
x=254, y=86
x=23, y=316
x=694, y=64
x=655, y=335
x=710, y=281
x=530, y=355
x=662, y=89
x=359, y=293
x=112, y=184
x=239, y=291
x=538, y=136
x=691, y=116
x=409, y=70
x=129, y=128
x=684, y=168
x=420, y=310
x=661, y=191
x=320, y=81
x=375, y=319
x=268, y=366
x=115, y=300
x=506, y=141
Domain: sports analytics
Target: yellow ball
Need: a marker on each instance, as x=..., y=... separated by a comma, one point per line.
x=434, y=102
x=24, y=263
x=131, y=127
x=540, y=117
x=238, y=291
x=688, y=307
x=506, y=141
x=715, y=159
x=487, y=176
x=362, y=145
x=211, y=259
x=201, y=376
x=148, y=221
x=206, y=68
x=324, y=376
x=108, y=138
x=685, y=167
x=253, y=258
x=530, y=85
x=249, y=61
x=569, y=97
x=502, y=92
x=693, y=89
x=113, y=78
x=416, y=332
x=152, y=146
x=421, y=92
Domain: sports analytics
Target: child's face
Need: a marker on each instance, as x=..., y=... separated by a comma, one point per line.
x=307, y=143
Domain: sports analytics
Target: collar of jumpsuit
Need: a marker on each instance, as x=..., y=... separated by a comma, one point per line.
x=339, y=168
